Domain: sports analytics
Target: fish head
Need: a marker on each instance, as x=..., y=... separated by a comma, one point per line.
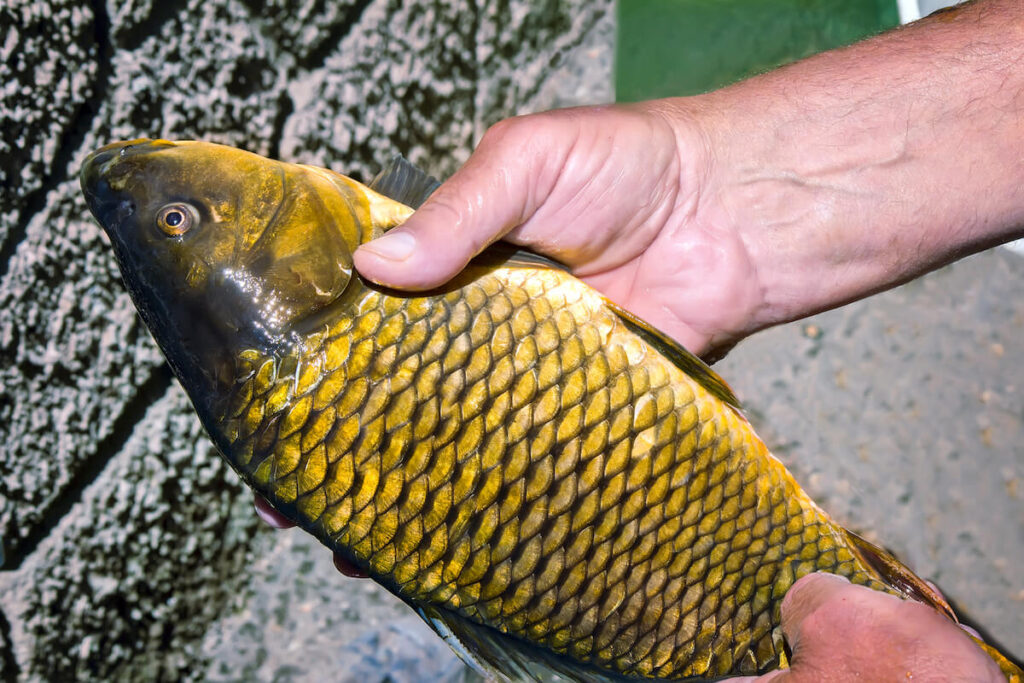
x=220, y=249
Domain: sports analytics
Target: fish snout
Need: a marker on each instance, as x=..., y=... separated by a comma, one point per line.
x=99, y=174
x=103, y=160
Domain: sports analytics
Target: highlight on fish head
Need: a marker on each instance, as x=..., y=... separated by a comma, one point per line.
x=220, y=249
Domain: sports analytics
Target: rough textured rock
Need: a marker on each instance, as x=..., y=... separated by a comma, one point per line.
x=426, y=80
x=8, y=665
x=154, y=551
x=75, y=359
x=52, y=62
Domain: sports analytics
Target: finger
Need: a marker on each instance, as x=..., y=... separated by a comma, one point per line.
x=970, y=630
x=806, y=600
x=269, y=514
x=348, y=569
x=509, y=175
x=804, y=597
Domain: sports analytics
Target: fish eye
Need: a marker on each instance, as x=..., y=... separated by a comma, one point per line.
x=176, y=219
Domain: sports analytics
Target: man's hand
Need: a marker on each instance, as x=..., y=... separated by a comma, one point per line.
x=840, y=632
x=612, y=192
x=802, y=189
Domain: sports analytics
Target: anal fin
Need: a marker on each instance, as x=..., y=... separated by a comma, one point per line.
x=898, y=576
x=894, y=573
x=508, y=659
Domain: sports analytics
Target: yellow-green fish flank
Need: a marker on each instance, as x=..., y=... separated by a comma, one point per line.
x=549, y=480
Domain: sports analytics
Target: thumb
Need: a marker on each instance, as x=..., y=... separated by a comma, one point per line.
x=805, y=598
x=842, y=632
x=511, y=173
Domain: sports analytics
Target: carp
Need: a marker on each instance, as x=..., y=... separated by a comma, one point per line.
x=554, y=485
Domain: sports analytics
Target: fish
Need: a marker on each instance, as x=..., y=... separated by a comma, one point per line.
x=555, y=486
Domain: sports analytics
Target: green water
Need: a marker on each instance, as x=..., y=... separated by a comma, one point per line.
x=684, y=47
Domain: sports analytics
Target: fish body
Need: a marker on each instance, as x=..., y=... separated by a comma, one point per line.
x=553, y=484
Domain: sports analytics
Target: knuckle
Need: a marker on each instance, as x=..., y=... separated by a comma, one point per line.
x=503, y=132
x=446, y=213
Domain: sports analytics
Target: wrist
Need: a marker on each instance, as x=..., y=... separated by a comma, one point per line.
x=856, y=170
x=714, y=269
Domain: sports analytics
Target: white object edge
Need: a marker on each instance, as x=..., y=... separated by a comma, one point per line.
x=909, y=11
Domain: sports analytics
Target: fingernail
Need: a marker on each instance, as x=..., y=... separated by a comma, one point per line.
x=347, y=569
x=971, y=631
x=269, y=515
x=394, y=246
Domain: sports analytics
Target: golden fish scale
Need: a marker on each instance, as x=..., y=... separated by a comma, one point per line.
x=512, y=451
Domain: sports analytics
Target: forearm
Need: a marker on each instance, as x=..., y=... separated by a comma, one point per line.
x=858, y=169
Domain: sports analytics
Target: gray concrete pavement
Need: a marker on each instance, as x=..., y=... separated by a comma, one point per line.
x=903, y=416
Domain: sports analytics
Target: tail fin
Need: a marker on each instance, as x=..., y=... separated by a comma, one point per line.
x=910, y=585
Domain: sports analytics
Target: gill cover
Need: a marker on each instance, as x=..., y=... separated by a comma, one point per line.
x=300, y=261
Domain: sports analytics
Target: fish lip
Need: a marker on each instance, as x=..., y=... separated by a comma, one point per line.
x=91, y=175
x=104, y=203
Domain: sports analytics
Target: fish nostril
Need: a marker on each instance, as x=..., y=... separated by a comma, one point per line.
x=125, y=208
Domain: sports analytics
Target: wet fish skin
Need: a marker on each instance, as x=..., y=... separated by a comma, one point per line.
x=511, y=450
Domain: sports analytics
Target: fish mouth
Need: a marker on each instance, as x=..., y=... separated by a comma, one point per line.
x=99, y=174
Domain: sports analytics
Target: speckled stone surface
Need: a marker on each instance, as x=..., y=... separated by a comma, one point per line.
x=52, y=65
x=126, y=584
x=130, y=551
x=117, y=553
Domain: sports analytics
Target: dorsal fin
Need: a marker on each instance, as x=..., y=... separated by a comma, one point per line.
x=510, y=256
x=683, y=359
x=404, y=182
x=500, y=657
